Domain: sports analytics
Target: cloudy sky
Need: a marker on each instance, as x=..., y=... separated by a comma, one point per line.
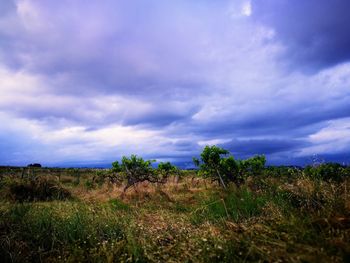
x=85, y=82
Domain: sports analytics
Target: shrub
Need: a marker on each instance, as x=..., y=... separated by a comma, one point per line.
x=136, y=170
x=253, y=166
x=165, y=169
x=214, y=165
x=287, y=171
x=327, y=172
x=217, y=164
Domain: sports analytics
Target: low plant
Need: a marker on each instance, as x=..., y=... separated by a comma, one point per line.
x=38, y=189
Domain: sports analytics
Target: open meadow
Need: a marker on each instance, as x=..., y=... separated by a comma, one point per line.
x=176, y=131
x=78, y=215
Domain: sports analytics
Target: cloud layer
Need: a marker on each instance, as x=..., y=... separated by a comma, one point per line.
x=315, y=32
x=84, y=83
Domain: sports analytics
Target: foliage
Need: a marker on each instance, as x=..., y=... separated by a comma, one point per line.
x=253, y=166
x=283, y=171
x=136, y=170
x=327, y=172
x=217, y=164
x=165, y=169
x=213, y=164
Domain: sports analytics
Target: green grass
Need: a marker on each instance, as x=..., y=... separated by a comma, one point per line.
x=119, y=205
x=62, y=228
x=231, y=205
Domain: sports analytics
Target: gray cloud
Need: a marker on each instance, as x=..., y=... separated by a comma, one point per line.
x=263, y=146
x=315, y=32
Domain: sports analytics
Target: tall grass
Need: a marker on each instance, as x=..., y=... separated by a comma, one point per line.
x=62, y=229
x=233, y=205
x=292, y=218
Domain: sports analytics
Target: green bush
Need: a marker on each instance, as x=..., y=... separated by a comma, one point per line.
x=136, y=170
x=217, y=164
x=253, y=166
x=327, y=172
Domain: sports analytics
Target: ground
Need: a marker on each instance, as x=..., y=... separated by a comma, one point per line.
x=268, y=219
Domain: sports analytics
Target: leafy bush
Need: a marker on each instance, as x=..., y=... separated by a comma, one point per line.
x=286, y=171
x=107, y=176
x=165, y=169
x=136, y=170
x=327, y=172
x=217, y=164
x=252, y=166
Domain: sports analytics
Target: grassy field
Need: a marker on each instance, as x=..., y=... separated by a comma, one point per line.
x=55, y=215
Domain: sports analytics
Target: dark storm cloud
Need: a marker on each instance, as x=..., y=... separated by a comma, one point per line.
x=279, y=120
x=315, y=32
x=157, y=119
x=263, y=146
x=343, y=157
x=187, y=146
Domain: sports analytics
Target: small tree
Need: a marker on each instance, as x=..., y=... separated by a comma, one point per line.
x=164, y=170
x=252, y=166
x=136, y=170
x=216, y=163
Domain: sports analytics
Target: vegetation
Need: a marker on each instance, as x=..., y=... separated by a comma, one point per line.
x=327, y=171
x=217, y=164
x=276, y=214
x=136, y=170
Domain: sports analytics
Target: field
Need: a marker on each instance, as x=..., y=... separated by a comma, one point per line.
x=69, y=215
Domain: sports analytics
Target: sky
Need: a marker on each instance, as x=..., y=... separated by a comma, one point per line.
x=83, y=83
